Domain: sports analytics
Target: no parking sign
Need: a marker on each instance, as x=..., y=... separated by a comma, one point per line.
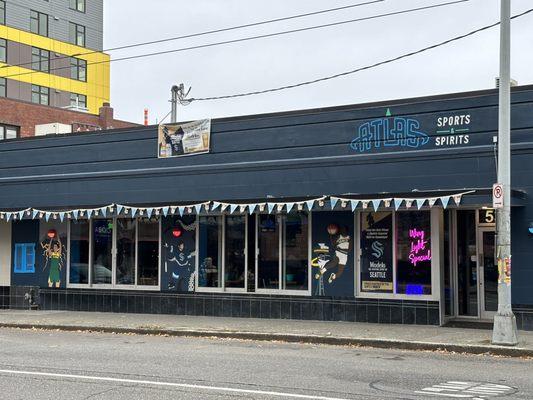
x=497, y=195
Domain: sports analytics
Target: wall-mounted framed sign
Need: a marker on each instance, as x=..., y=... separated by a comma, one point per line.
x=175, y=140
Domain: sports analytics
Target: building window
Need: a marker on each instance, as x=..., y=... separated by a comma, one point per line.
x=2, y=12
x=3, y=50
x=24, y=258
x=9, y=132
x=283, y=252
x=40, y=95
x=38, y=23
x=78, y=100
x=3, y=86
x=77, y=34
x=78, y=5
x=118, y=252
x=78, y=69
x=395, y=253
x=40, y=59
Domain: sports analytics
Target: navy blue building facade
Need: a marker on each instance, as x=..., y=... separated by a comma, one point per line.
x=376, y=212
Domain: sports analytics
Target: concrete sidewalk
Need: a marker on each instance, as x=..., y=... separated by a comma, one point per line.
x=411, y=337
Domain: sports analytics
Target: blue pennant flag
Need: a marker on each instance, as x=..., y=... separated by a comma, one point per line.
x=397, y=203
x=310, y=204
x=149, y=212
x=420, y=203
x=119, y=209
x=354, y=204
x=133, y=211
x=198, y=208
x=215, y=205
x=21, y=214
x=180, y=210
x=375, y=204
x=334, y=201
x=251, y=208
x=271, y=207
x=232, y=208
x=290, y=206
x=8, y=216
x=445, y=200
x=61, y=216
x=47, y=216
x=103, y=210
x=89, y=214
x=165, y=210
x=75, y=213
x=34, y=213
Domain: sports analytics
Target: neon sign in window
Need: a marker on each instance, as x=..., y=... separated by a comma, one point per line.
x=420, y=250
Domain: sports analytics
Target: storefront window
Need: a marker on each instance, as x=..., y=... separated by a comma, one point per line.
x=377, y=252
x=268, y=257
x=148, y=253
x=295, y=252
x=102, y=260
x=125, y=271
x=235, y=252
x=210, y=252
x=79, y=252
x=413, y=253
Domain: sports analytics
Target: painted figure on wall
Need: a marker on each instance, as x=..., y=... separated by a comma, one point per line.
x=332, y=249
x=54, y=258
x=182, y=268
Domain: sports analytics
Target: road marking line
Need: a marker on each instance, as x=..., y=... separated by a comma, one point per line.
x=169, y=384
x=461, y=396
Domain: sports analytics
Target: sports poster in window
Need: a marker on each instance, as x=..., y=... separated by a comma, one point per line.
x=175, y=140
x=376, y=252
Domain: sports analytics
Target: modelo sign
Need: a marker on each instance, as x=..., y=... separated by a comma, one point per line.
x=409, y=133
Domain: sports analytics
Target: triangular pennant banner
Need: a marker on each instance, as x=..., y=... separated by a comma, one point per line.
x=103, y=210
x=224, y=207
x=397, y=203
x=251, y=208
x=119, y=209
x=198, y=208
x=180, y=210
x=334, y=201
x=215, y=205
x=149, y=212
x=34, y=213
x=47, y=216
x=432, y=201
x=165, y=210
x=457, y=198
x=445, y=200
x=133, y=211
x=290, y=206
x=75, y=213
x=232, y=208
x=271, y=207
x=354, y=204
x=365, y=204
x=242, y=208
x=408, y=203
x=21, y=214
x=376, y=204
x=8, y=216
x=310, y=204
x=61, y=216
x=420, y=203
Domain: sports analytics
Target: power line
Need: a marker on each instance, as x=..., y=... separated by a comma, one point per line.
x=353, y=71
x=210, y=32
x=245, y=39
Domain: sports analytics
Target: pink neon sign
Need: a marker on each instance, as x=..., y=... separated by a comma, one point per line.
x=419, y=247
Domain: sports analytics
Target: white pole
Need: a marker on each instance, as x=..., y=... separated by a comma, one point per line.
x=504, y=332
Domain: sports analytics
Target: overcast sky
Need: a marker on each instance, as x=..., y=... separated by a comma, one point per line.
x=470, y=64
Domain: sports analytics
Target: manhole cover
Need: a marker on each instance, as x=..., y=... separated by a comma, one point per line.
x=467, y=390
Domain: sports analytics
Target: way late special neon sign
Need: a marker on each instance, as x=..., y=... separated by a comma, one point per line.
x=419, y=247
x=389, y=132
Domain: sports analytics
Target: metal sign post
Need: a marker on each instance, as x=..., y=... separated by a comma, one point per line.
x=504, y=332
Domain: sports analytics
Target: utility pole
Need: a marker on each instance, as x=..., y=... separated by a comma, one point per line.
x=174, y=103
x=504, y=332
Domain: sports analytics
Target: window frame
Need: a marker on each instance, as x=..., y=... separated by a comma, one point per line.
x=42, y=60
x=113, y=285
x=37, y=16
x=436, y=229
x=76, y=27
x=76, y=65
x=279, y=290
x=4, y=128
x=222, y=246
x=78, y=103
x=3, y=84
x=3, y=45
x=40, y=93
x=76, y=6
x=3, y=12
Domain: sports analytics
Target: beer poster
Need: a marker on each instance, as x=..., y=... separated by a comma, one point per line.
x=376, y=252
x=175, y=140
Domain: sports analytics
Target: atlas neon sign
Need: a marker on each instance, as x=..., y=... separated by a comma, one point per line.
x=419, y=247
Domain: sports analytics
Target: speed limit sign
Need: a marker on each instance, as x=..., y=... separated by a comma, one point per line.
x=497, y=195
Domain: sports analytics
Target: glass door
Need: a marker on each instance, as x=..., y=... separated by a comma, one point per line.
x=488, y=272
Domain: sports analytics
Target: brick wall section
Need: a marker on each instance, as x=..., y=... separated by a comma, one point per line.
x=27, y=115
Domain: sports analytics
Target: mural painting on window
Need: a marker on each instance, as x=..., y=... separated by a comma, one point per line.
x=332, y=258
x=53, y=239
x=178, y=254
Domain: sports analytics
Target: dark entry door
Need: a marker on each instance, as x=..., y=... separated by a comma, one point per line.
x=488, y=282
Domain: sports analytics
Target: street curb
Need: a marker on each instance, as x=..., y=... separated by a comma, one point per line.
x=292, y=338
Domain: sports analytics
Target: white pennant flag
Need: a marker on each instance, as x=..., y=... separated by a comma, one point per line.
x=232, y=208
x=376, y=204
x=457, y=198
x=290, y=206
x=354, y=204
x=445, y=200
x=420, y=203
x=251, y=208
x=432, y=201
x=397, y=203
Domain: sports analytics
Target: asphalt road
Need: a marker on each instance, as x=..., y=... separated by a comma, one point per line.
x=59, y=365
